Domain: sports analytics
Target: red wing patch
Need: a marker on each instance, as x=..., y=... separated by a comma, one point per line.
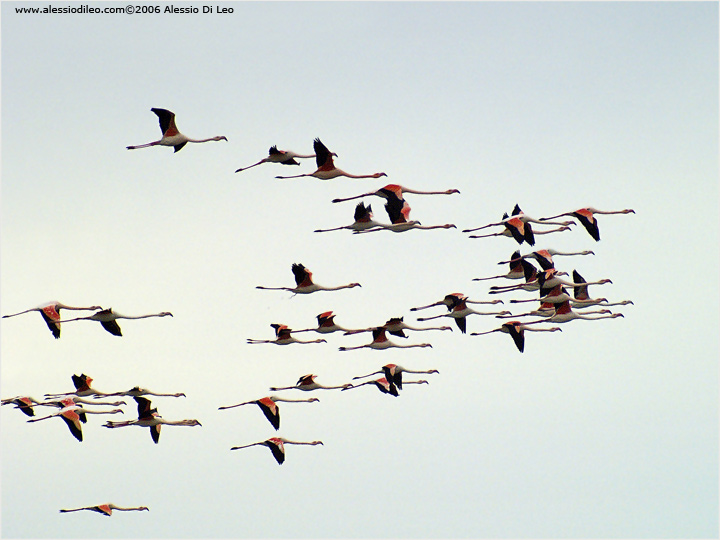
x=51, y=312
x=563, y=308
x=105, y=509
x=587, y=214
x=269, y=403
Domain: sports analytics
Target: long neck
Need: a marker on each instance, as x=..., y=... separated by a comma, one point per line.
x=368, y=375
x=139, y=316
x=175, y=422
x=202, y=140
x=313, y=443
x=20, y=313
x=287, y=400
x=128, y=509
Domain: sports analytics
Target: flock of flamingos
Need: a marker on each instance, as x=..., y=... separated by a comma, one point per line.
x=557, y=301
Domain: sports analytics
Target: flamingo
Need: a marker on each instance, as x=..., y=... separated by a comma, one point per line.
x=451, y=300
x=460, y=312
x=564, y=313
x=399, y=212
x=276, y=446
x=587, y=218
x=75, y=400
x=381, y=342
x=521, y=232
x=394, y=191
x=50, y=312
x=516, y=269
x=149, y=417
x=307, y=383
x=283, y=337
x=393, y=373
x=546, y=309
x=170, y=134
x=326, y=325
x=517, y=332
x=82, y=388
x=326, y=168
x=305, y=285
x=363, y=220
x=108, y=319
x=136, y=391
x=268, y=405
x=284, y=157
x=106, y=509
x=24, y=403
x=518, y=214
x=532, y=282
x=71, y=413
x=381, y=384
x=396, y=327
x=544, y=257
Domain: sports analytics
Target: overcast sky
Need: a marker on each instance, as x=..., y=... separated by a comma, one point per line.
x=606, y=429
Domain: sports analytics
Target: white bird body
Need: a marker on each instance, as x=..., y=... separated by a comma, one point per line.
x=276, y=446
x=284, y=157
x=283, y=337
x=149, y=417
x=305, y=284
x=326, y=168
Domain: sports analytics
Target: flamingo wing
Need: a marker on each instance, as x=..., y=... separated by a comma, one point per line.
x=155, y=433
x=270, y=410
x=461, y=323
x=72, y=420
x=167, y=122
x=277, y=448
x=303, y=277
x=589, y=222
x=323, y=158
x=113, y=327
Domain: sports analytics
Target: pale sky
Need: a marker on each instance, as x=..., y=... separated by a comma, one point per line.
x=608, y=429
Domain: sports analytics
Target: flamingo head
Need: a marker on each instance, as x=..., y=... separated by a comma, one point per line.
x=220, y=138
x=165, y=314
x=378, y=175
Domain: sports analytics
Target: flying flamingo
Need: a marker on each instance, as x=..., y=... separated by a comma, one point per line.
x=460, y=312
x=546, y=309
x=136, y=391
x=532, y=283
x=106, y=509
x=363, y=220
x=396, y=327
x=71, y=413
x=518, y=214
x=544, y=257
x=75, y=400
x=108, y=319
x=149, y=417
x=326, y=325
x=453, y=299
x=517, y=332
x=50, y=312
x=393, y=373
x=268, y=405
x=24, y=403
x=521, y=232
x=399, y=212
x=307, y=383
x=305, y=285
x=394, y=191
x=82, y=388
x=170, y=134
x=326, y=168
x=564, y=313
x=284, y=157
x=587, y=218
x=276, y=446
x=381, y=342
x=381, y=384
x=283, y=337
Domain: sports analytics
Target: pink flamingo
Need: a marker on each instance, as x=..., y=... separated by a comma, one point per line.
x=170, y=134
x=71, y=413
x=149, y=417
x=399, y=212
x=453, y=299
x=381, y=342
x=106, y=509
x=283, y=337
x=517, y=332
x=268, y=405
x=50, y=312
x=307, y=383
x=284, y=157
x=393, y=373
x=108, y=319
x=395, y=191
x=276, y=446
x=586, y=216
x=326, y=168
x=459, y=313
x=326, y=325
x=305, y=285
